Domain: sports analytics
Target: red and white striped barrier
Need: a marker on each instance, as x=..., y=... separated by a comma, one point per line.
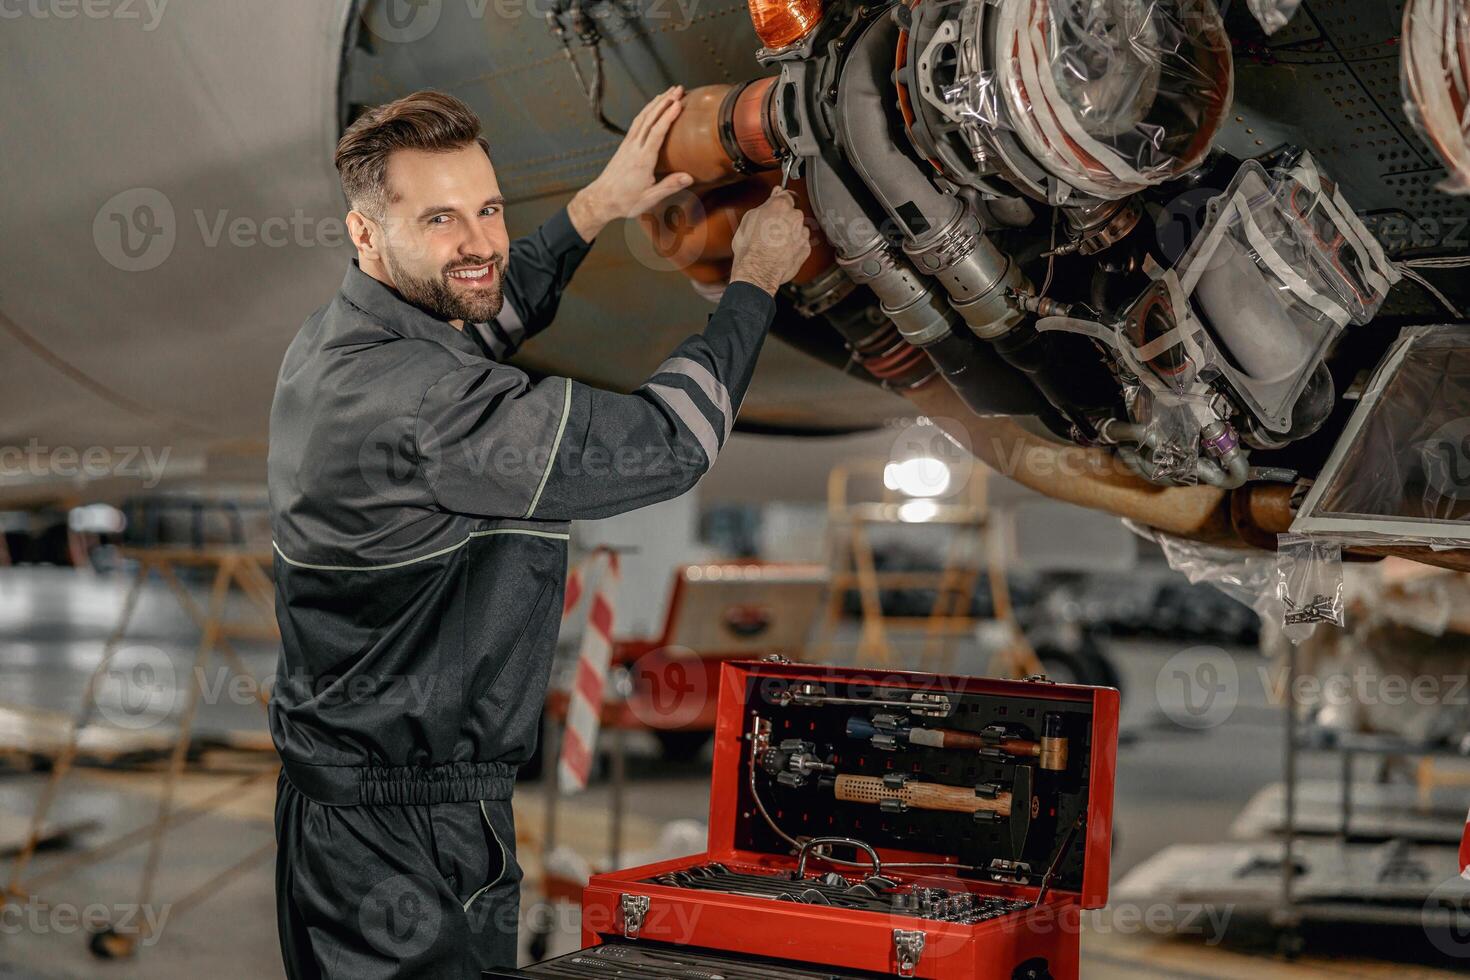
x=1465, y=850
x=584, y=711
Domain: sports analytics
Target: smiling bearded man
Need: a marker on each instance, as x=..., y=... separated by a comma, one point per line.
x=421, y=490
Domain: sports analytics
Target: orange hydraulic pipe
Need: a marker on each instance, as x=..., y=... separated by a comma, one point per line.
x=722, y=131
x=693, y=144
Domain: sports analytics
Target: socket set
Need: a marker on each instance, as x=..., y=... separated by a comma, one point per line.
x=874, y=893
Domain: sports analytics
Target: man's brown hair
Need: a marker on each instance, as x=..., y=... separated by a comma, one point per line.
x=425, y=120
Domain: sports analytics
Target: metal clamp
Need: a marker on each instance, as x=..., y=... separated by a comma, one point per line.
x=908, y=948
x=850, y=842
x=635, y=910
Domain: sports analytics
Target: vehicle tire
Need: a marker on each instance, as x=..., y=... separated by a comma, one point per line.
x=1087, y=664
x=683, y=746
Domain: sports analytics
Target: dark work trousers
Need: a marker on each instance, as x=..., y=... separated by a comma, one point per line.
x=364, y=892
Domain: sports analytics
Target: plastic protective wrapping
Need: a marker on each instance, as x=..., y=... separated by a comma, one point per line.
x=1246, y=576
x=1110, y=96
x=1172, y=431
x=1163, y=447
x=1309, y=586
x=1280, y=267
x=1273, y=15
x=1293, y=591
x=1401, y=470
x=1435, y=69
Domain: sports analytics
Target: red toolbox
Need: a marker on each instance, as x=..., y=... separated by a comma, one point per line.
x=892, y=823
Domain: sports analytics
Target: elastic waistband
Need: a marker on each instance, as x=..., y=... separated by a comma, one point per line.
x=453, y=782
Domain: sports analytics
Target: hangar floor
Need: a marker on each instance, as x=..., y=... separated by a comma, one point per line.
x=1174, y=786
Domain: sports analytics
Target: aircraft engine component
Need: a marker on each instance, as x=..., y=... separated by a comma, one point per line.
x=1061, y=98
x=920, y=130
x=1002, y=190
x=1230, y=344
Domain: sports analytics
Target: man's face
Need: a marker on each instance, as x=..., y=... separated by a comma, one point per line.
x=444, y=239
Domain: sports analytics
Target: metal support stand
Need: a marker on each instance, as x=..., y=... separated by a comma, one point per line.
x=233, y=569
x=1287, y=918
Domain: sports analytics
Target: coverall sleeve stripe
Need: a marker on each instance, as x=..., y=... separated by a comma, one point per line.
x=510, y=321
x=707, y=382
x=683, y=406
x=492, y=335
x=561, y=428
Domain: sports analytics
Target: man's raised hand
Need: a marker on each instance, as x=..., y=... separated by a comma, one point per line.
x=626, y=186
x=771, y=243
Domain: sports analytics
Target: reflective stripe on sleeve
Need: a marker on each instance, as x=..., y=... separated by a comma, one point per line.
x=678, y=401
x=510, y=321
x=717, y=393
x=561, y=428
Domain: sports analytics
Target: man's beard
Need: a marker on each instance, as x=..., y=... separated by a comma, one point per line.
x=435, y=296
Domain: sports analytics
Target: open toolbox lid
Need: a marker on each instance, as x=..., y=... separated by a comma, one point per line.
x=997, y=781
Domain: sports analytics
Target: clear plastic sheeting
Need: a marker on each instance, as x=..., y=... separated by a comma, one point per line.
x=1281, y=266
x=1273, y=15
x=1293, y=591
x=975, y=98
x=1173, y=432
x=1401, y=470
x=1309, y=585
x=1247, y=576
x=1110, y=96
x=1435, y=70
x=1163, y=446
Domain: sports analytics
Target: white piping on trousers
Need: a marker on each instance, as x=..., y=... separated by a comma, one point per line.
x=504, y=859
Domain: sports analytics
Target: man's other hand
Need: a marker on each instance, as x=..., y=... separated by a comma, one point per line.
x=771, y=243
x=626, y=186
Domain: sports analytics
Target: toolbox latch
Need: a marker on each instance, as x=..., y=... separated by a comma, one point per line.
x=908, y=947
x=635, y=910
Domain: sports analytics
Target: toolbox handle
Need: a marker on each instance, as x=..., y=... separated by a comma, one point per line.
x=850, y=842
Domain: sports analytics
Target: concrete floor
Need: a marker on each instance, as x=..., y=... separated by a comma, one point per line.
x=1174, y=785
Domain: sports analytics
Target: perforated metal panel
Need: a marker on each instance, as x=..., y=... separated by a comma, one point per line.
x=1329, y=81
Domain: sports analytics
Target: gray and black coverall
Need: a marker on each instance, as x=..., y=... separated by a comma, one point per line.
x=420, y=494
